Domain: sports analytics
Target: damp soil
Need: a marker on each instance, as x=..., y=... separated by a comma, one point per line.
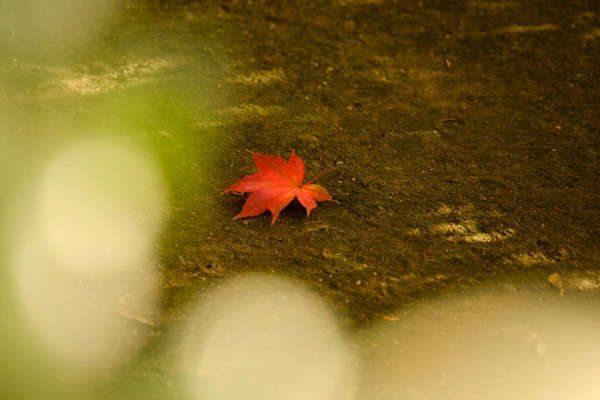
x=465, y=135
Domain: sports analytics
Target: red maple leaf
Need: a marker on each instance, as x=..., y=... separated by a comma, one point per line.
x=276, y=185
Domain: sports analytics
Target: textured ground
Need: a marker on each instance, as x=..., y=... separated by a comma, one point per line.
x=465, y=133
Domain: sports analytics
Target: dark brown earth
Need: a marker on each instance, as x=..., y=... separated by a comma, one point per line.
x=465, y=133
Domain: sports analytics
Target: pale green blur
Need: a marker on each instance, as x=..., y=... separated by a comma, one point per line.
x=96, y=137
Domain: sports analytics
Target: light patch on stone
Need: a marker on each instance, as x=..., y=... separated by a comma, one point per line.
x=260, y=78
x=526, y=28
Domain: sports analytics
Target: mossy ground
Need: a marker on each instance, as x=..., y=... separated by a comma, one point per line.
x=466, y=135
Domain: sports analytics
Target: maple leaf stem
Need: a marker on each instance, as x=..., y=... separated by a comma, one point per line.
x=329, y=170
